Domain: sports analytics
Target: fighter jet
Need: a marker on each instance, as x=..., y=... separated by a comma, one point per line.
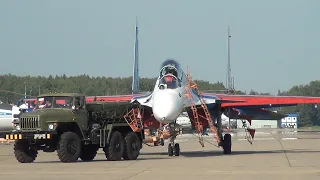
x=174, y=92
x=170, y=97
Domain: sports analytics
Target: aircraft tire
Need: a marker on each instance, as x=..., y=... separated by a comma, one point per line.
x=132, y=146
x=170, y=150
x=227, y=144
x=23, y=153
x=89, y=152
x=116, y=147
x=177, y=149
x=69, y=141
x=161, y=142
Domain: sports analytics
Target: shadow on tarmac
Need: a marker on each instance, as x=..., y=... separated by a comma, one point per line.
x=190, y=154
x=234, y=153
x=105, y=160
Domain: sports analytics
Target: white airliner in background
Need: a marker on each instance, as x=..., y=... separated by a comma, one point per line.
x=184, y=120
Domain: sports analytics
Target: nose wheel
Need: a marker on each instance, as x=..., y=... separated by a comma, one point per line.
x=173, y=149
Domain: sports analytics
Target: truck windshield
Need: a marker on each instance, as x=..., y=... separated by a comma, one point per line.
x=54, y=102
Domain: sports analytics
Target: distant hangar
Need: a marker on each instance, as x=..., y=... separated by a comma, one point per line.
x=291, y=121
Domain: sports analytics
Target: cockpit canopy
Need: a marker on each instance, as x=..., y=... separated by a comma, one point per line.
x=170, y=67
x=169, y=81
x=170, y=74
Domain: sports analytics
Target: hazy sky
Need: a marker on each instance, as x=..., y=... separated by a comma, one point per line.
x=275, y=43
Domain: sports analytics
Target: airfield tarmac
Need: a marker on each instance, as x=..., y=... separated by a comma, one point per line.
x=274, y=154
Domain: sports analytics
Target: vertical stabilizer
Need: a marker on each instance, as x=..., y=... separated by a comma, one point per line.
x=135, y=77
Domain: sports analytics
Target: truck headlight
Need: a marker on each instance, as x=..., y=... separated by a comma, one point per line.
x=51, y=126
x=17, y=127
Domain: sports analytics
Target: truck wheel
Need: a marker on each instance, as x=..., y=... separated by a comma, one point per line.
x=23, y=152
x=69, y=147
x=89, y=152
x=106, y=151
x=115, y=147
x=132, y=146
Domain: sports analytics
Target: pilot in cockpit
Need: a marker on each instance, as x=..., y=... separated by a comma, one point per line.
x=170, y=81
x=170, y=70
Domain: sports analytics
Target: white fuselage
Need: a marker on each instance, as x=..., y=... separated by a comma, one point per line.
x=168, y=104
x=168, y=98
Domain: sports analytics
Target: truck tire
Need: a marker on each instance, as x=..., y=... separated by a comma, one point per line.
x=89, y=152
x=115, y=147
x=69, y=147
x=23, y=152
x=132, y=146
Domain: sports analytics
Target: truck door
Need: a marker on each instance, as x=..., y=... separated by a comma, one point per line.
x=80, y=113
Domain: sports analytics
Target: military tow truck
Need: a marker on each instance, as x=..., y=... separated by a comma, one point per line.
x=65, y=123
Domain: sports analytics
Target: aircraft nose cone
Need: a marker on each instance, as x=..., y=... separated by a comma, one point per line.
x=166, y=106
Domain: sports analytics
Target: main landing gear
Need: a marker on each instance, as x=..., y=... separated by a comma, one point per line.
x=226, y=144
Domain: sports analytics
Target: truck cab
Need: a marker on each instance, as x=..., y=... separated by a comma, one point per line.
x=52, y=109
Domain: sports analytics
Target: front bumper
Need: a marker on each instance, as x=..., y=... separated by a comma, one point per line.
x=29, y=135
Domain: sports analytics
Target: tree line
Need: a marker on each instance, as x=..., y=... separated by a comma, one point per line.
x=13, y=87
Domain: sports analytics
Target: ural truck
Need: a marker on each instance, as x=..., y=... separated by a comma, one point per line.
x=65, y=123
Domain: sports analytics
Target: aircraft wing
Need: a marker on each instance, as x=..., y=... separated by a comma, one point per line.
x=143, y=98
x=254, y=113
x=251, y=105
x=266, y=101
x=209, y=99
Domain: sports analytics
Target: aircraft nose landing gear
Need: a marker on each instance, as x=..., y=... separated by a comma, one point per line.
x=173, y=149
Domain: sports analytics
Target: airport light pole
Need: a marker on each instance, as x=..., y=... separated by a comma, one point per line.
x=25, y=90
x=229, y=76
x=229, y=64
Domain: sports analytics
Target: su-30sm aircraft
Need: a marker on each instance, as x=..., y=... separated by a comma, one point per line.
x=175, y=92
